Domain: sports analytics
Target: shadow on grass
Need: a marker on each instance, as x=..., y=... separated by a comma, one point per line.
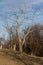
x=27, y=60
x=20, y=58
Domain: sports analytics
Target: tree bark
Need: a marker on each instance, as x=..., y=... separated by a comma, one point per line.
x=20, y=42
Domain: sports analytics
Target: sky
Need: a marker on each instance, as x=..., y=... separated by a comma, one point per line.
x=7, y=8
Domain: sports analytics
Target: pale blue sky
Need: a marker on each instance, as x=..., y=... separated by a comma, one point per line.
x=7, y=7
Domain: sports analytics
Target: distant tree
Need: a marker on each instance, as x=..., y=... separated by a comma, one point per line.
x=33, y=39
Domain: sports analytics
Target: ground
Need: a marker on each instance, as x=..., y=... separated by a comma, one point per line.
x=8, y=60
x=11, y=58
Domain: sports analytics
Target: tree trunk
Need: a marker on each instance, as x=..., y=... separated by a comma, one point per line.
x=20, y=47
x=20, y=42
x=14, y=47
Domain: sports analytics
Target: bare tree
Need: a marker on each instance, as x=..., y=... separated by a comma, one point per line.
x=11, y=33
x=19, y=20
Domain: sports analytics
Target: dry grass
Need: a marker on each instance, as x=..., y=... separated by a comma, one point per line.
x=11, y=58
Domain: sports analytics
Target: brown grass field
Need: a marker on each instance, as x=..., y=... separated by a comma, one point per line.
x=8, y=57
